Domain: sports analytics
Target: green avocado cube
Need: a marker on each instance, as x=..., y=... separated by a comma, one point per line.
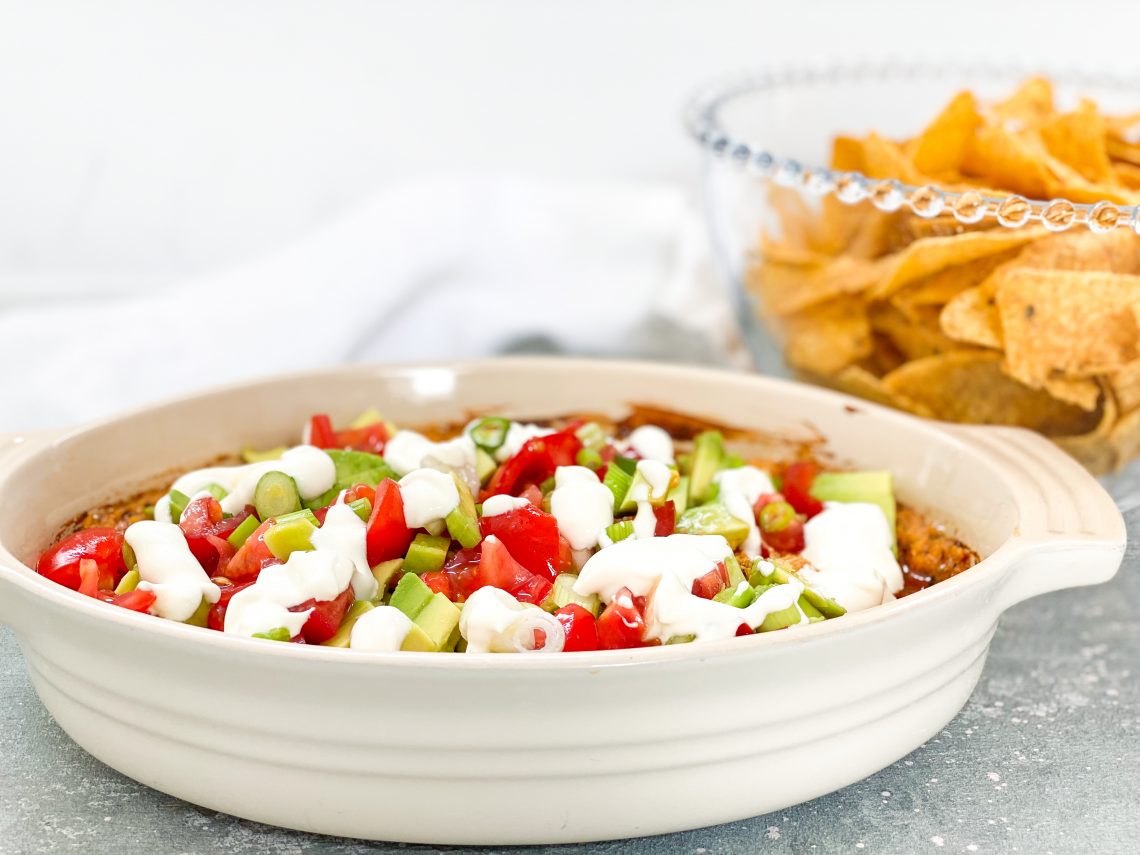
x=708, y=457
x=439, y=620
x=426, y=553
x=876, y=488
x=411, y=595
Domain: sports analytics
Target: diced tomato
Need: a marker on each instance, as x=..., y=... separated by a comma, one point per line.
x=362, y=491
x=744, y=629
x=796, y=488
x=666, y=519
x=439, y=582
x=248, y=561
x=388, y=534
x=535, y=462
x=104, y=546
x=565, y=556
x=463, y=572
x=581, y=628
x=530, y=536
x=788, y=539
x=216, y=619
x=326, y=617
x=622, y=624
x=766, y=499
x=206, y=530
x=712, y=583
x=499, y=569
x=88, y=577
x=321, y=432
x=532, y=494
x=137, y=600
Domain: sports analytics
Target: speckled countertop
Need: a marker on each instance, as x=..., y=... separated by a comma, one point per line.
x=1045, y=758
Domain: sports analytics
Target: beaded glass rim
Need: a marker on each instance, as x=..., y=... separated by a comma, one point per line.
x=967, y=206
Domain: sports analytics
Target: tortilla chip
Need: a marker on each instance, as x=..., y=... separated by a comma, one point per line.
x=972, y=317
x=828, y=338
x=1117, y=251
x=913, y=340
x=1008, y=160
x=795, y=221
x=1062, y=181
x=1078, y=391
x=1128, y=152
x=926, y=257
x=1125, y=387
x=860, y=382
x=941, y=148
x=1078, y=140
x=1096, y=450
x=1076, y=323
x=883, y=158
x=940, y=288
x=787, y=289
x=1030, y=105
x=1127, y=175
x=970, y=386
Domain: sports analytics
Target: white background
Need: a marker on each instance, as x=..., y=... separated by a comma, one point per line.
x=142, y=141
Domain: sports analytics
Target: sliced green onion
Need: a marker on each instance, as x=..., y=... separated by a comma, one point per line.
x=776, y=516
x=590, y=458
x=562, y=594
x=362, y=508
x=592, y=435
x=241, y=534
x=626, y=464
x=619, y=481
x=490, y=433
x=217, y=491
x=129, y=582
x=178, y=503
x=619, y=530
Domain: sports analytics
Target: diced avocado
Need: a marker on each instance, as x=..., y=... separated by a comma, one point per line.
x=620, y=530
x=426, y=553
x=781, y=619
x=418, y=641
x=708, y=454
x=439, y=620
x=485, y=465
x=782, y=574
x=285, y=538
x=250, y=455
x=435, y=528
x=383, y=573
x=130, y=560
x=626, y=464
x=685, y=463
x=279, y=633
x=201, y=614
x=563, y=594
x=640, y=486
x=217, y=491
x=241, y=534
x=352, y=468
x=343, y=635
x=713, y=519
x=679, y=495
x=808, y=609
x=740, y=596
x=275, y=495
x=618, y=481
x=411, y=595
x=873, y=487
x=129, y=582
x=463, y=522
x=735, y=574
x=178, y=503
x=681, y=639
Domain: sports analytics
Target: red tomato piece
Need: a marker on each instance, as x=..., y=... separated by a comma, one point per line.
x=622, y=624
x=535, y=462
x=712, y=583
x=216, y=619
x=371, y=438
x=499, y=569
x=136, y=600
x=796, y=488
x=581, y=628
x=248, y=561
x=766, y=499
x=463, y=572
x=532, y=494
x=530, y=536
x=206, y=531
x=326, y=617
x=388, y=534
x=104, y=546
x=744, y=629
x=321, y=432
x=666, y=519
x=439, y=582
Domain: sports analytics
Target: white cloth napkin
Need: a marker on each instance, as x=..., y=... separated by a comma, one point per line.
x=432, y=270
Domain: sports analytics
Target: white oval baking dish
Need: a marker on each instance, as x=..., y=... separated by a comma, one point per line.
x=466, y=749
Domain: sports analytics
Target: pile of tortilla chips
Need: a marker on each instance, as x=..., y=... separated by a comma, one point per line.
x=980, y=322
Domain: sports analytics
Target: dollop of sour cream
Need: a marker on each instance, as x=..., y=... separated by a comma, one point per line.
x=848, y=546
x=740, y=488
x=651, y=443
x=169, y=569
x=344, y=533
x=382, y=628
x=663, y=570
x=492, y=621
x=582, y=505
x=264, y=605
x=649, y=488
x=502, y=504
x=407, y=451
x=312, y=469
x=428, y=495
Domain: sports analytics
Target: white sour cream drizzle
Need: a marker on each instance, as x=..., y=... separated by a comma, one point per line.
x=517, y=436
x=739, y=490
x=663, y=569
x=312, y=469
x=502, y=503
x=169, y=569
x=428, y=495
x=651, y=443
x=381, y=628
x=655, y=484
x=848, y=545
x=344, y=533
x=407, y=451
x=492, y=621
x=264, y=605
x=582, y=505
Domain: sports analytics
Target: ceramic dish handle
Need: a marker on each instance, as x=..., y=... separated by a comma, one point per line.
x=1069, y=531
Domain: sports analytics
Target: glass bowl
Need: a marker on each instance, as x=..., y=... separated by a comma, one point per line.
x=890, y=263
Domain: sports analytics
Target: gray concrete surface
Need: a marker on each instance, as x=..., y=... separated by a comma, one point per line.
x=1045, y=758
